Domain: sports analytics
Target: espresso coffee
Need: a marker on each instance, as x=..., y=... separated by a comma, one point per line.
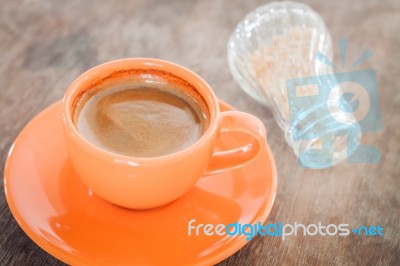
x=141, y=119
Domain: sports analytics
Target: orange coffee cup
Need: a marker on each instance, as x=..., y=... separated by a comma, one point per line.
x=142, y=183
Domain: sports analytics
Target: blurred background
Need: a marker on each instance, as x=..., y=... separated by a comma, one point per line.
x=45, y=45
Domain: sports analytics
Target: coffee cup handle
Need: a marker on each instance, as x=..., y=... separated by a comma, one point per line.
x=235, y=121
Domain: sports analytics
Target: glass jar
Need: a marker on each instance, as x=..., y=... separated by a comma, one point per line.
x=271, y=55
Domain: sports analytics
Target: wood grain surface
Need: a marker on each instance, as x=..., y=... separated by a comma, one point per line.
x=44, y=45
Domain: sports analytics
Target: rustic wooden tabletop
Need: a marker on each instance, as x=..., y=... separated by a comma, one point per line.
x=44, y=45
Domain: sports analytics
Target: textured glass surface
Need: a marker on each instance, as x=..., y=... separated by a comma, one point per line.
x=271, y=54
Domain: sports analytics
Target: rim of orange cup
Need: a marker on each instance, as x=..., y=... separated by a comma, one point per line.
x=82, y=81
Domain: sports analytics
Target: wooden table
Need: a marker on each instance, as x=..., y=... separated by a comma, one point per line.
x=44, y=45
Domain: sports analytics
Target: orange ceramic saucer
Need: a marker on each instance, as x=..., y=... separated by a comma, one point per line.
x=67, y=220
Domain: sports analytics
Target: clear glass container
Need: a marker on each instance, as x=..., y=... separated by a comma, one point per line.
x=272, y=56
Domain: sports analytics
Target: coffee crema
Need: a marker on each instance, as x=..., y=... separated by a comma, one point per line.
x=141, y=119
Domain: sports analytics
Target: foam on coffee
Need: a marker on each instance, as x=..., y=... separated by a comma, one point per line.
x=141, y=118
